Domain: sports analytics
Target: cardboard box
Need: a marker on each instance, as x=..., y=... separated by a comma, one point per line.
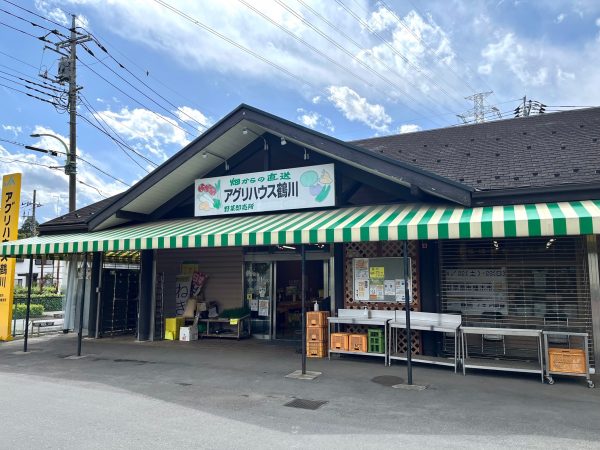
x=188, y=333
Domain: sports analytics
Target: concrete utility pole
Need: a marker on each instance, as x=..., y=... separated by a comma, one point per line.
x=71, y=167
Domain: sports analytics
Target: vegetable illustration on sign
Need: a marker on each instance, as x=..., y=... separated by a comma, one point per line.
x=318, y=186
x=209, y=196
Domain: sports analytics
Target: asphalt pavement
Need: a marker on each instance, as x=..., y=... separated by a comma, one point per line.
x=230, y=394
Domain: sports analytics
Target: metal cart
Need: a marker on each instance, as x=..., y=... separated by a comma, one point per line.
x=568, y=334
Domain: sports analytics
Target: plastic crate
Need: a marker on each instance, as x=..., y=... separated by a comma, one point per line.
x=376, y=340
x=316, y=334
x=172, y=326
x=357, y=343
x=316, y=349
x=339, y=341
x=564, y=360
x=316, y=318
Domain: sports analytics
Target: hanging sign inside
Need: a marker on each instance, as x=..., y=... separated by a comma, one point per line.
x=273, y=190
x=9, y=226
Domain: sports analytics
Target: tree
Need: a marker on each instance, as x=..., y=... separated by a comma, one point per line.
x=28, y=227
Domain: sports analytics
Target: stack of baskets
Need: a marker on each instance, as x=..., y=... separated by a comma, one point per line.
x=316, y=334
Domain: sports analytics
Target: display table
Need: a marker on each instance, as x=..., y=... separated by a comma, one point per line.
x=238, y=330
x=508, y=366
x=422, y=321
x=357, y=317
x=584, y=346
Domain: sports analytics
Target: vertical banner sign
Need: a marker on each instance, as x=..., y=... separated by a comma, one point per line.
x=9, y=226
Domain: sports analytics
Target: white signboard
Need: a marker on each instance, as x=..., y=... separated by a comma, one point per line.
x=476, y=291
x=273, y=190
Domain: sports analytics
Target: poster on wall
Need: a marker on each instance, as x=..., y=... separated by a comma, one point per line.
x=274, y=190
x=476, y=291
x=263, y=307
x=182, y=292
x=253, y=304
x=379, y=279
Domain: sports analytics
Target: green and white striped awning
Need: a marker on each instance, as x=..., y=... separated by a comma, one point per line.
x=364, y=223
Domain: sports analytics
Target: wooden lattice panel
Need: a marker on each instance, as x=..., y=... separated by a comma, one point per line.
x=378, y=250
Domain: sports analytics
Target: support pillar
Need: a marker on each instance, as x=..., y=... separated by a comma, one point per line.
x=145, y=307
x=594, y=274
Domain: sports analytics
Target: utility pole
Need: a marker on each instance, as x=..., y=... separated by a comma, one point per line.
x=70, y=75
x=528, y=107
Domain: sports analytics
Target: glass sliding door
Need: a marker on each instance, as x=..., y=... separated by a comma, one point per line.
x=258, y=294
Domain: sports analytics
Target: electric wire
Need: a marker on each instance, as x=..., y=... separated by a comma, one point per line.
x=103, y=48
x=29, y=95
x=345, y=51
x=17, y=59
x=98, y=118
x=93, y=187
x=168, y=111
x=36, y=14
x=426, y=45
x=43, y=39
x=395, y=51
x=56, y=32
x=166, y=119
x=116, y=141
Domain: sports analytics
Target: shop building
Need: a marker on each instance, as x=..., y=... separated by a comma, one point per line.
x=500, y=218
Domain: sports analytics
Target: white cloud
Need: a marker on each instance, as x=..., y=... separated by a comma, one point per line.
x=15, y=130
x=598, y=22
x=193, y=117
x=356, y=108
x=408, y=128
x=313, y=119
x=45, y=174
x=525, y=63
x=149, y=131
x=560, y=18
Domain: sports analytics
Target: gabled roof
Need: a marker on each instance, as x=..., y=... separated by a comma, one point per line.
x=76, y=220
x=547, y=150
x=225, y=139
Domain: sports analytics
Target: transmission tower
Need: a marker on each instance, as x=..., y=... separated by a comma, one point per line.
x=479, y=110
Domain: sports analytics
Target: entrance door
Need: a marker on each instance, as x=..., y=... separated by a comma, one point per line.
x=258, y=294
x=288, y=299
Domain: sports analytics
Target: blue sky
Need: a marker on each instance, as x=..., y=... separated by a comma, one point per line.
x=351, y=69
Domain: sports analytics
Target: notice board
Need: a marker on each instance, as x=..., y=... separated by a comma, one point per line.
x=380, y=279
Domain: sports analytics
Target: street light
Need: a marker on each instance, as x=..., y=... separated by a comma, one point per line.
x=70, y=166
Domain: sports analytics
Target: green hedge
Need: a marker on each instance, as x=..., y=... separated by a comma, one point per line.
x=50, y=303
x=35, y=310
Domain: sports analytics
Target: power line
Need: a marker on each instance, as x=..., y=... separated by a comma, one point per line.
x=93, y=187
x=134, y=87
x=16, y=16
x=425, y=44
x=29, y=95
x=238, y=45
x=37, y=15
x=100, y=121
x=148, y=73
x=140, y=80
x=343, y=49
x=137, y=101
x=20, y=144
x=17, y=59
x=393, y=49
x=43, y=39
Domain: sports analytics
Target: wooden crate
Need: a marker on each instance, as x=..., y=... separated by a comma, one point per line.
x=339, y=341
x=566, y=360
x=316, y=318
x=316, y=349
x=316, y=334
x=357, y=343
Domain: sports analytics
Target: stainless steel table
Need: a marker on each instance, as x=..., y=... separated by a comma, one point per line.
x=568, y=334
x=355, y=319
x=443, y=323
x=509, y=366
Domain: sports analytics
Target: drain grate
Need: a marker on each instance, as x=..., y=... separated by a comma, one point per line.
x=387, y=380
x=305, y=404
